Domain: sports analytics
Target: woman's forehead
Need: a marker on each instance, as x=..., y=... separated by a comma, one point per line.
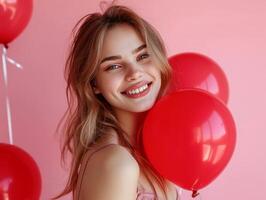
x=121, y=39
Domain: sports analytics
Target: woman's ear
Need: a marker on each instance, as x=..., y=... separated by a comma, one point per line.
x=94, y=87
x=96, y=90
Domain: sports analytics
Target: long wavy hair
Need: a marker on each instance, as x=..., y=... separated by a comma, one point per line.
x=88, y=116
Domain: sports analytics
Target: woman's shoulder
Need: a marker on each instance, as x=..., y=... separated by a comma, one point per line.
x=109, y=150
x=109, y=154
x=109, y=164
x=112, y=154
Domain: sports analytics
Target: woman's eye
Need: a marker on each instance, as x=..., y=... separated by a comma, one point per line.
x=143, y=56
x=112, y=67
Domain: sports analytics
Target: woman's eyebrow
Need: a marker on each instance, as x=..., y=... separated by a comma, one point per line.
x=119, y=57
x=139, y=48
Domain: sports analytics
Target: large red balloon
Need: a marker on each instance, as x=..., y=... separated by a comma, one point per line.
x=14, y=16
x=189, y=136
x=19, y=174
x=193, y=70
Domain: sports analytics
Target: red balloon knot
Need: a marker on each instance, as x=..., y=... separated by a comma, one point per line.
x=195, y=193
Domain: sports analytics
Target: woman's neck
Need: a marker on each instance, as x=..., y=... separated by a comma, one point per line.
x=131, y=123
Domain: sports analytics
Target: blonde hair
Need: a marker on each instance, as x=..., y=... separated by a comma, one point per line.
x=89, y=115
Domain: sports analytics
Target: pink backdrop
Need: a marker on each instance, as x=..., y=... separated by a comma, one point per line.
x=233, y=33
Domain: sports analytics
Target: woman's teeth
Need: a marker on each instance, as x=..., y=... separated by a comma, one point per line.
x=138, y=90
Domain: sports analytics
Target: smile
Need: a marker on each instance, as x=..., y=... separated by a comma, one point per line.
x=138, y=92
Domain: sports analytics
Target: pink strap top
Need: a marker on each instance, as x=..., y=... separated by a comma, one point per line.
x=141, y=193
x=144, y=195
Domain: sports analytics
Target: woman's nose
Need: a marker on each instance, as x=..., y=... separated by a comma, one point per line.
x=134, y=73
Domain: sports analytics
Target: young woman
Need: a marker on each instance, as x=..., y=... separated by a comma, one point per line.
x=116, y=70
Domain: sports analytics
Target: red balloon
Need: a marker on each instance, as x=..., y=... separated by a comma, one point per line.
x=20, y=177
x=189, y=136
x=14, y=16
x=193, y=70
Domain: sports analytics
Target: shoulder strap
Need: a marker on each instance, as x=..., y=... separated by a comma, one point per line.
x=178, y=193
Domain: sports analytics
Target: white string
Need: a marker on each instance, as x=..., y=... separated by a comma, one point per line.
x=6, y=59
x=9, y=121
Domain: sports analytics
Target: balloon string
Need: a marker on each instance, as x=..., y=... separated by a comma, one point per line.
x=6, y=59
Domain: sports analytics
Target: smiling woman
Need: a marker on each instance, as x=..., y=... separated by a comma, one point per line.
x=116, y=70
x=123, y=86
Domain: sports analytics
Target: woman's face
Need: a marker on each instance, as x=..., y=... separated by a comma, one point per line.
x=128, y=78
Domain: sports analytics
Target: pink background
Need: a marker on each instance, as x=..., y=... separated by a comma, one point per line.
x=232, y=32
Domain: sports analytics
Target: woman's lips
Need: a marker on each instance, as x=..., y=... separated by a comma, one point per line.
x=136, y=86
x=140, y=93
